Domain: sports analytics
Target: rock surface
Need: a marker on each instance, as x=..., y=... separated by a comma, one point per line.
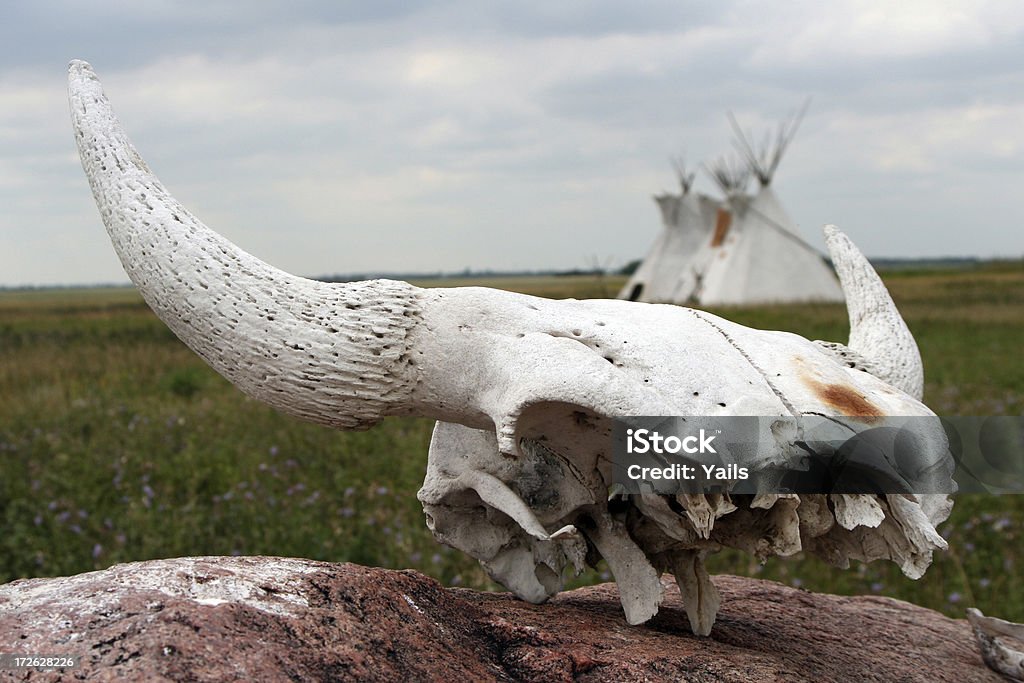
x=269, y=619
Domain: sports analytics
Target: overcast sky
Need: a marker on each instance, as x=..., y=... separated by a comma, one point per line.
x=338, y=137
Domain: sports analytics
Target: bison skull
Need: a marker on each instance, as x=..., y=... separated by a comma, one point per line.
x=524, y=390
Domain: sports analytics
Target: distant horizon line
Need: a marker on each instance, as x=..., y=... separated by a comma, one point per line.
x=883, y=263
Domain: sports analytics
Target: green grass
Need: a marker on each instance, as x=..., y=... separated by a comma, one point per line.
x=118, y=444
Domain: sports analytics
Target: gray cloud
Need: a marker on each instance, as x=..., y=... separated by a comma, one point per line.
x=339, y=137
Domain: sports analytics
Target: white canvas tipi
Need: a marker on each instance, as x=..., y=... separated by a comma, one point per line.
x=741, y=250
x=685, y=227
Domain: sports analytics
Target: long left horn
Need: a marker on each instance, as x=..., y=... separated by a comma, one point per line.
x=337, y=355
x=877, y=330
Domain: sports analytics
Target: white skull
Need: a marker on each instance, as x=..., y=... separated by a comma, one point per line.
x=525, y=390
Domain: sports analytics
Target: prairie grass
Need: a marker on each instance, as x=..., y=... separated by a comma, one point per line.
x=119, y=444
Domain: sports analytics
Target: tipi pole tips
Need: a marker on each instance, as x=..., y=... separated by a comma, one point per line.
x=764, y=160
x=685, y=177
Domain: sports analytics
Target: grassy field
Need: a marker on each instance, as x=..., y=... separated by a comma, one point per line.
x=118, y=444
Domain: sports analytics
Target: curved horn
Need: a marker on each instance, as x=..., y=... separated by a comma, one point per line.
x=334, y=354
x=877, y=330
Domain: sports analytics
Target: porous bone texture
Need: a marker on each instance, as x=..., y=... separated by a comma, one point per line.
x=335, y=355
x=1001, y=644
x=877, y=330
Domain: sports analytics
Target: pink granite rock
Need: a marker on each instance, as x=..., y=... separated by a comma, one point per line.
x=270, y=619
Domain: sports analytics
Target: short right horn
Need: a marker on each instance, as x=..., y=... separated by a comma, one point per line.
x=877, y=330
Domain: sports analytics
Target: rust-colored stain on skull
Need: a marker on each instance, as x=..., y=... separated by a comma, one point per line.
x=846, y=400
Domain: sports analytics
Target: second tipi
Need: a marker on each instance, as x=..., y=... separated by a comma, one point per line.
x=742, y=249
